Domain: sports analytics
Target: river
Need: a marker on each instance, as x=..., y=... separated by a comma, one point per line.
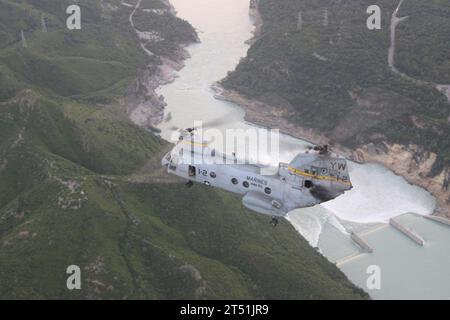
x=378, y=194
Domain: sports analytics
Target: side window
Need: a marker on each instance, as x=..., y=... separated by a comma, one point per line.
x=234, y=181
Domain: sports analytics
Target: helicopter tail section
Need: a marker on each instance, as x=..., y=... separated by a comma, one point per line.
x=323, y=173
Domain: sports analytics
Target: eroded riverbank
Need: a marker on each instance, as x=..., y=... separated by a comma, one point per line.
x=143, y=105
x=402, y=160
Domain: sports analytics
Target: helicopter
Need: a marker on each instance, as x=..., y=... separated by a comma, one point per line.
x=314, y=176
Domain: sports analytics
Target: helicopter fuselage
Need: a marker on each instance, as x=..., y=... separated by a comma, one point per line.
x=309, y=180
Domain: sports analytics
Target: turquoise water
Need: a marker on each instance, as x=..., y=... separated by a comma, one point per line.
x=408, y=271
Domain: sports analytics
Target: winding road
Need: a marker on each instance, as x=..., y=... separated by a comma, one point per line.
x=139, y=33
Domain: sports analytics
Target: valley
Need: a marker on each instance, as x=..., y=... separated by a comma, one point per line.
x=80, y=184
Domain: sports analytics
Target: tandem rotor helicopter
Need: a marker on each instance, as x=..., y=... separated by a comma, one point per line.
x=311, y=178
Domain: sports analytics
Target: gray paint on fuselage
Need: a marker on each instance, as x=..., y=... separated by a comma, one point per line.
x=225, y=174
x=311, y=178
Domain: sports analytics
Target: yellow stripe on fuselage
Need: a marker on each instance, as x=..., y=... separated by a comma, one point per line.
x=309, y=175
x=193, y=143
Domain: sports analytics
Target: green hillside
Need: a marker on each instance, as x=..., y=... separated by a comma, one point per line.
x=334, y=77
x=81, y=185
x=423, y=50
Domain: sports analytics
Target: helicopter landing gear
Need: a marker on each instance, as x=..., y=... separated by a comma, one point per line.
x=189, y=184
x=274, y=221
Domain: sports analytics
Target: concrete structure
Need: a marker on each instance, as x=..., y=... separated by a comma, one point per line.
x=361, y=242
x=439, y=219
x=409, y=233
